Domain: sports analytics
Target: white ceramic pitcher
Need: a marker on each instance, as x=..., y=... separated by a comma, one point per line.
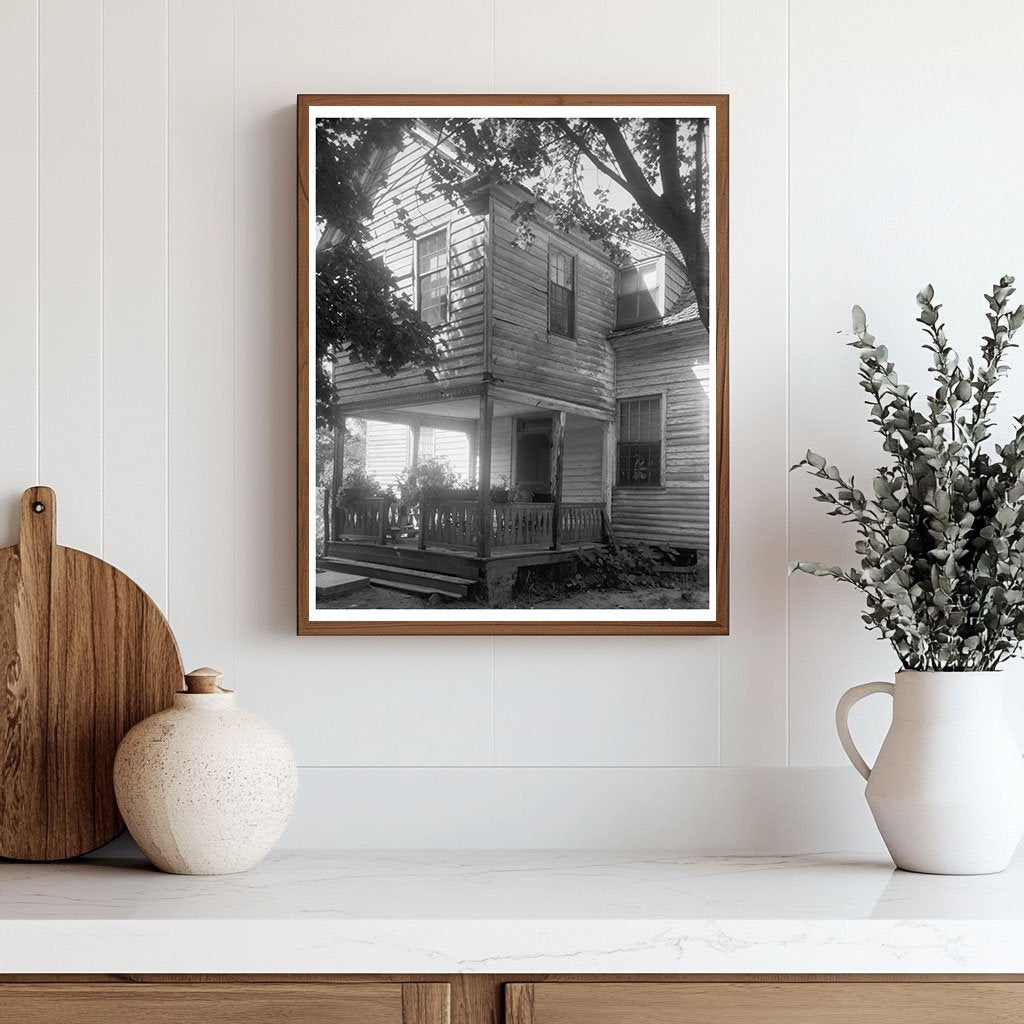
x=947, y=789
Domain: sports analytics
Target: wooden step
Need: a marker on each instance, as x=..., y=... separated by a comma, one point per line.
x=332, y=584
x=407, y=557
x=428, y=582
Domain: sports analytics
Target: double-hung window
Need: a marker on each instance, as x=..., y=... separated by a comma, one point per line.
x=561, y=293
x=639, y=293
x=432, y=277
x=639, y=444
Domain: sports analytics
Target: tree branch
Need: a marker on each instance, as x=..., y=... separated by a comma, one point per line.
x=586, y=149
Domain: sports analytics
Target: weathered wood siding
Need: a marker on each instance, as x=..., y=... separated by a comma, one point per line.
x=677, y=366
x=501, y=449
x=583, y=464
x=676, y=284
x=463, y=338
x=452, y=445
x=387, y=450
x=525, y=356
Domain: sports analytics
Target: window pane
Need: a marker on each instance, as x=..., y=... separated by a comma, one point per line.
x=647, y=305
x=434, y=243
x=627, y=281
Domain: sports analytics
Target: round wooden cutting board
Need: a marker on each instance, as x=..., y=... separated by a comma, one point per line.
x=84, y=655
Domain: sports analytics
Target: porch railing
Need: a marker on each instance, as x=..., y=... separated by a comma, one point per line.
x=581, y=522
x=363, y=518
x=521, y=522
x=455, y=524
x=452, y=524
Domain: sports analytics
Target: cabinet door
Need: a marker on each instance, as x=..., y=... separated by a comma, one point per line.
x=234, y=1003
x=866, y=1002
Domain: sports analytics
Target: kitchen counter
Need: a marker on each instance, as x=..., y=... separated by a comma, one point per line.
x=491, y=912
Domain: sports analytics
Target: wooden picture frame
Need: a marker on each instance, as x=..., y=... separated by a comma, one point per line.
x=475, y=527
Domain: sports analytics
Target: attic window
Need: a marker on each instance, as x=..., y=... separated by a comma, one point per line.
x=639, y=296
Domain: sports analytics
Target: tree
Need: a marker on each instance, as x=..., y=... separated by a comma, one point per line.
x=659, y=163
x=360, y=313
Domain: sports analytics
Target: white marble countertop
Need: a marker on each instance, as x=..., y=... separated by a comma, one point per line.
x=490, y=912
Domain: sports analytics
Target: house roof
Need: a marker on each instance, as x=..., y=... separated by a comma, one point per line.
x=684, y=312
x=655, y=238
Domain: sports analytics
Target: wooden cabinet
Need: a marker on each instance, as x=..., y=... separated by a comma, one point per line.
x=794, y=1002
x=496, y=999
x=254, y=1002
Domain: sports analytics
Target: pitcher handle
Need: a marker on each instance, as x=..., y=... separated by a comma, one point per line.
x=846, y=702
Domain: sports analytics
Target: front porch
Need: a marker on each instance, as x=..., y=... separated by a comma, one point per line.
x=552, y=463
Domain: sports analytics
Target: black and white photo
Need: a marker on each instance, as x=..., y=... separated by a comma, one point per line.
x=512, y=362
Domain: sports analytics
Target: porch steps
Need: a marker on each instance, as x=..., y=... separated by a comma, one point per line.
x=401, y=578
x=333, y=584
x=461, y=564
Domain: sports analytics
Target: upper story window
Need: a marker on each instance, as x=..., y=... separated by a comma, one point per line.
x=561, y=293
x=639, y=295
x=639, y=444
x=432, y=277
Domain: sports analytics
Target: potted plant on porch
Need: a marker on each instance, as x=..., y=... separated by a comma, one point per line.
x=941, y=546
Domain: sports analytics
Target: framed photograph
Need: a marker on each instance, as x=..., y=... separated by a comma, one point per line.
x=512, y=364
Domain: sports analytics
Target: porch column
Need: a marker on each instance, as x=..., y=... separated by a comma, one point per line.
x=472, y=436
x=415, y=446
x=557, y=466
x=483, y=541
x=609, y=465
x=337, y=476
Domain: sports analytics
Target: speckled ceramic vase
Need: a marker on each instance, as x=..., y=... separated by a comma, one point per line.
x=204, y=788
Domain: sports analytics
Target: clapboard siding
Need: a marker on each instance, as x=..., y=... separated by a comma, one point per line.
x=676, y=365
x=524, y=354
x=583, y=463
x=452, y=445
x=387, y=450
x=676, y=284
x=501, y=449
x=462, y=340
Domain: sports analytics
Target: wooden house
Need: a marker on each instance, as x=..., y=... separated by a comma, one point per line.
x=582, y=380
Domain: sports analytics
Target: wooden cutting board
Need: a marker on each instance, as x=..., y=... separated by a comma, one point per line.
x=84, y=655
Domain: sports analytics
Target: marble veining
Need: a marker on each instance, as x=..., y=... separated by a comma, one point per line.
x=494, y=912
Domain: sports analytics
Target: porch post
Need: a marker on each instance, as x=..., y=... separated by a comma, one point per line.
x=473, y=437
x=557, y=466
x=483, y=541
x=337, y=476
x=415, y=446
x=609, y=465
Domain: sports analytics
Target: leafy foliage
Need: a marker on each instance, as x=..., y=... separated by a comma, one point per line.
x=427, y=481
x=632, y=567
x=941, y=539
x=358, y=479
x=360, y=312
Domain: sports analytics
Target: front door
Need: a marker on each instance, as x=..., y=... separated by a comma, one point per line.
x=533, y=457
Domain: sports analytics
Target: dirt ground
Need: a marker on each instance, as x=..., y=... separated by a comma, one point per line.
x=375, y=597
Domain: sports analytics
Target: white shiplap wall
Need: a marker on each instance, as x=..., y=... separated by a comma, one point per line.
x=146, y=367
